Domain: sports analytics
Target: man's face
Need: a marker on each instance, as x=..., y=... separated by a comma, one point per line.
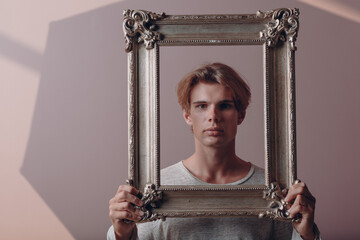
x=213, y=116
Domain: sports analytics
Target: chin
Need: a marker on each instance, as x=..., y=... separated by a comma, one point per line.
x=214, y=143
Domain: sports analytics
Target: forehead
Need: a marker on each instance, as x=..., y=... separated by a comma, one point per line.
x=210, y=91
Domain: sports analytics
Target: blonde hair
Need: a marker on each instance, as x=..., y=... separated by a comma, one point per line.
x=215, y=73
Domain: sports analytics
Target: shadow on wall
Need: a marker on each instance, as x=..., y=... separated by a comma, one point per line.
x=78, y=140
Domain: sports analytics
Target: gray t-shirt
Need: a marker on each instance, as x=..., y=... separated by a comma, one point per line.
x=178, y=174
x=212, y=228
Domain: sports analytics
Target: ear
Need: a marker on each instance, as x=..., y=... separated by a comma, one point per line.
x=241, y=116
x=187, y=118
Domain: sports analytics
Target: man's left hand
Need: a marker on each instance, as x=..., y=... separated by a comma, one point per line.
x=302, y=204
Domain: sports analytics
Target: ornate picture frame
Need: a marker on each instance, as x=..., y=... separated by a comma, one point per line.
x=145, y=34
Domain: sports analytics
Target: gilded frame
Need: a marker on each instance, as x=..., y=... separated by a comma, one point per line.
x=145, y=33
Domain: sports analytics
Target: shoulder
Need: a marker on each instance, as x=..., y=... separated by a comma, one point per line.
x=258, y=170
x=171, y=172
x=171, y=169
x=256, y=176
x=176, y=174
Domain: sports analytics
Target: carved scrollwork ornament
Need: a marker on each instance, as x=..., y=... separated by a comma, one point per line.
x=278, y=204
x=285, y=26
x=138, y=26
x=150, y=198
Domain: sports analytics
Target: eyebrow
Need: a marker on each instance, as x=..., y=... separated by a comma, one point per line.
x=222, y=101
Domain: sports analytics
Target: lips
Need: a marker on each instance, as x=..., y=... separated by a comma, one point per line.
x=214, y=131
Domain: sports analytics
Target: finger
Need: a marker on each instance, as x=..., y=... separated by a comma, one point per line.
x=120, y=215
x=299, y=189
x=124, y=196
x=126, y=206
x=129, y=189
x=123, y=206
x=302, y=206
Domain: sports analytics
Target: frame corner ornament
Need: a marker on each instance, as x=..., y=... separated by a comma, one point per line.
x=284, y=26
x=150, y=198
x=278, y=205
x=138, y=26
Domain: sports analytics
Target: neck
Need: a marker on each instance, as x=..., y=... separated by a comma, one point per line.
x=217, y=165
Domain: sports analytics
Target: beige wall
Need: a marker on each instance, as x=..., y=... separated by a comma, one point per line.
x=63, y=126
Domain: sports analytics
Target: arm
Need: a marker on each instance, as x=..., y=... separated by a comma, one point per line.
x=121, y=207
x=302, y=203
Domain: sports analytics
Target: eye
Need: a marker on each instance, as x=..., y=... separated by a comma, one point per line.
x=201, y=106
x=224, y=106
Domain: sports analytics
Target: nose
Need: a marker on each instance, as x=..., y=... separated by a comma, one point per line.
x=213, y=115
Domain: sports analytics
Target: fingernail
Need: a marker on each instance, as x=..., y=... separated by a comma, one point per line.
x=141, y=213
x=289, y=211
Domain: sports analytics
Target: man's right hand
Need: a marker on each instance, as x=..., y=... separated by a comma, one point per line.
x=121, y=207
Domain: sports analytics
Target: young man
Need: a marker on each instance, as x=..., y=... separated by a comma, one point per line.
x=214, y=99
